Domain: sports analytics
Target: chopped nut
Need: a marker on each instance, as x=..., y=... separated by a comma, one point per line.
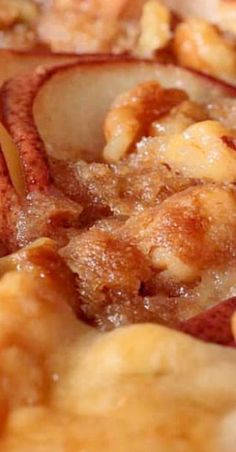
x=133, y=113
x=155, y=28
x=189, y=232
x=200, y=46
x=179, y=119
x=201, y=151
x=12, y=11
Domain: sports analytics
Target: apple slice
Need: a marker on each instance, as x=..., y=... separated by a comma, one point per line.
x=213, y=325
x=70, y=108
x=67, y=105
x=16, y=113
x=14, y=62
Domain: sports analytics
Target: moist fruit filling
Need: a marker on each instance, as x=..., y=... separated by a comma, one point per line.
x=158, y=225
x=147, y=229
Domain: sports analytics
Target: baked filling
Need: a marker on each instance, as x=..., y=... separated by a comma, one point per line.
x=118, y=231
x=144, y=222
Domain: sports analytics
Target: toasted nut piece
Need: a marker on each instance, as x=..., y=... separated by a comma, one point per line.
x=188, y=233
x=8, y=14
x=27, y=10
x=155, y=28
x=200, y=46
x=106, y=8
x=12, y=11
x=227, y=16
x=165, y=260
x=223, y=110
x=203, y=150
x=132, y=114
x=178, y=119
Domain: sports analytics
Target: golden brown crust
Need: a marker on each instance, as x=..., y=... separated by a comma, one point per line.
x=137, y=385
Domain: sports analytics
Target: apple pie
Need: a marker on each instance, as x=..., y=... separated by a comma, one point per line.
x=117, y=226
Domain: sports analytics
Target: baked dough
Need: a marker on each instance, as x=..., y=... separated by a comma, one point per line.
x=67, y=387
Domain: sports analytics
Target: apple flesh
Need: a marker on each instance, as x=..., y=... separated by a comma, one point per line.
x=70, y=108
x=67, y=105
x=13, y=63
